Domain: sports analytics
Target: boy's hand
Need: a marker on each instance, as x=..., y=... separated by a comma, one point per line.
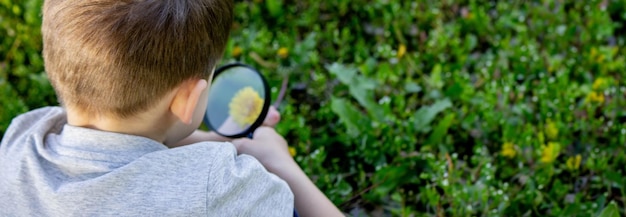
x=268, y=147
x=271, y=119
x=271, y=150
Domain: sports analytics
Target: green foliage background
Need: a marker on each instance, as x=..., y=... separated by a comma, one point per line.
x=404, y=107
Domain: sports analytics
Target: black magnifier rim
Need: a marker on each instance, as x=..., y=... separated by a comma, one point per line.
x=266, y=102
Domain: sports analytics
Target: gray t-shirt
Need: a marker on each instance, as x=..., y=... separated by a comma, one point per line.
x=49, y=168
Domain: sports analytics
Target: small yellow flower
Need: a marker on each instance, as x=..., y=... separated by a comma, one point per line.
x=573, y=163
x=401, y=51
x=283, y=52
x=599, y=83
x=292, y=151
x=596, y=55
x=236, y=51
x=508, y=150
x=246, y=106
x=550, y=152
x=551, y=130
x=595, y=97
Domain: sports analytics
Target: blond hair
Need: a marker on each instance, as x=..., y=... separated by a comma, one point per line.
x=119, y=57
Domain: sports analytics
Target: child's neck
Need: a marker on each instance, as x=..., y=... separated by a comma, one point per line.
x=139, y=125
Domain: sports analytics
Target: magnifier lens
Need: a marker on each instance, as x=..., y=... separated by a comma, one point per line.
x=238, y=99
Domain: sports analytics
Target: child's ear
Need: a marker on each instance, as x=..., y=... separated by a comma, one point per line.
x=187, y=98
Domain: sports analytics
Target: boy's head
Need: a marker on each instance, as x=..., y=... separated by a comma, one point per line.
x=120, y=57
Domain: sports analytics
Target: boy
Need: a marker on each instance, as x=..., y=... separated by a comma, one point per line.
x=133, y=79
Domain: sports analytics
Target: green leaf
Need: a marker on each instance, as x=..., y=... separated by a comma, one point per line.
x=390, y=177
x=274, y=7
x=571, y=210
x=454, y=91
x=361, y=88
x=616, y=179
x=610, y=211
x=471, y=41
x=412, y=87
x=425, y=115
x=348, y=114
x=538, y=198
x=441, y=130
x=342, y=188
x=344, y=74
x=435, y=80
x=432, y=196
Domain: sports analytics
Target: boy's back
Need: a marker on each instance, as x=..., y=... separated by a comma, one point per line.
x=52, y=169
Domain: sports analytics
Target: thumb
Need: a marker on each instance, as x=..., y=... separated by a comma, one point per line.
x=272, y=118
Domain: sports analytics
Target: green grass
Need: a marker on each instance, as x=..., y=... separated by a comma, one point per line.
x=404, y=108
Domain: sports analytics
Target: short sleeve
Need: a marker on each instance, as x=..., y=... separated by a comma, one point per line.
x=240, y=186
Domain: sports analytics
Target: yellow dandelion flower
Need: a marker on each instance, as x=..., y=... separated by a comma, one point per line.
x=246, y=106
x=550, y=152
x=508, y=150
x=401, y=51
x=283, y=52
x=236, y=51
x=595, y=97
x=292, y=151
x=551, y=130
x=599, y=83
x=573, y=163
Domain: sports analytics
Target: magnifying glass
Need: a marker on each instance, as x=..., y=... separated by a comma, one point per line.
x=239, y=99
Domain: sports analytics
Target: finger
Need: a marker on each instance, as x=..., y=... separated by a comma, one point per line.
x=272, y=118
